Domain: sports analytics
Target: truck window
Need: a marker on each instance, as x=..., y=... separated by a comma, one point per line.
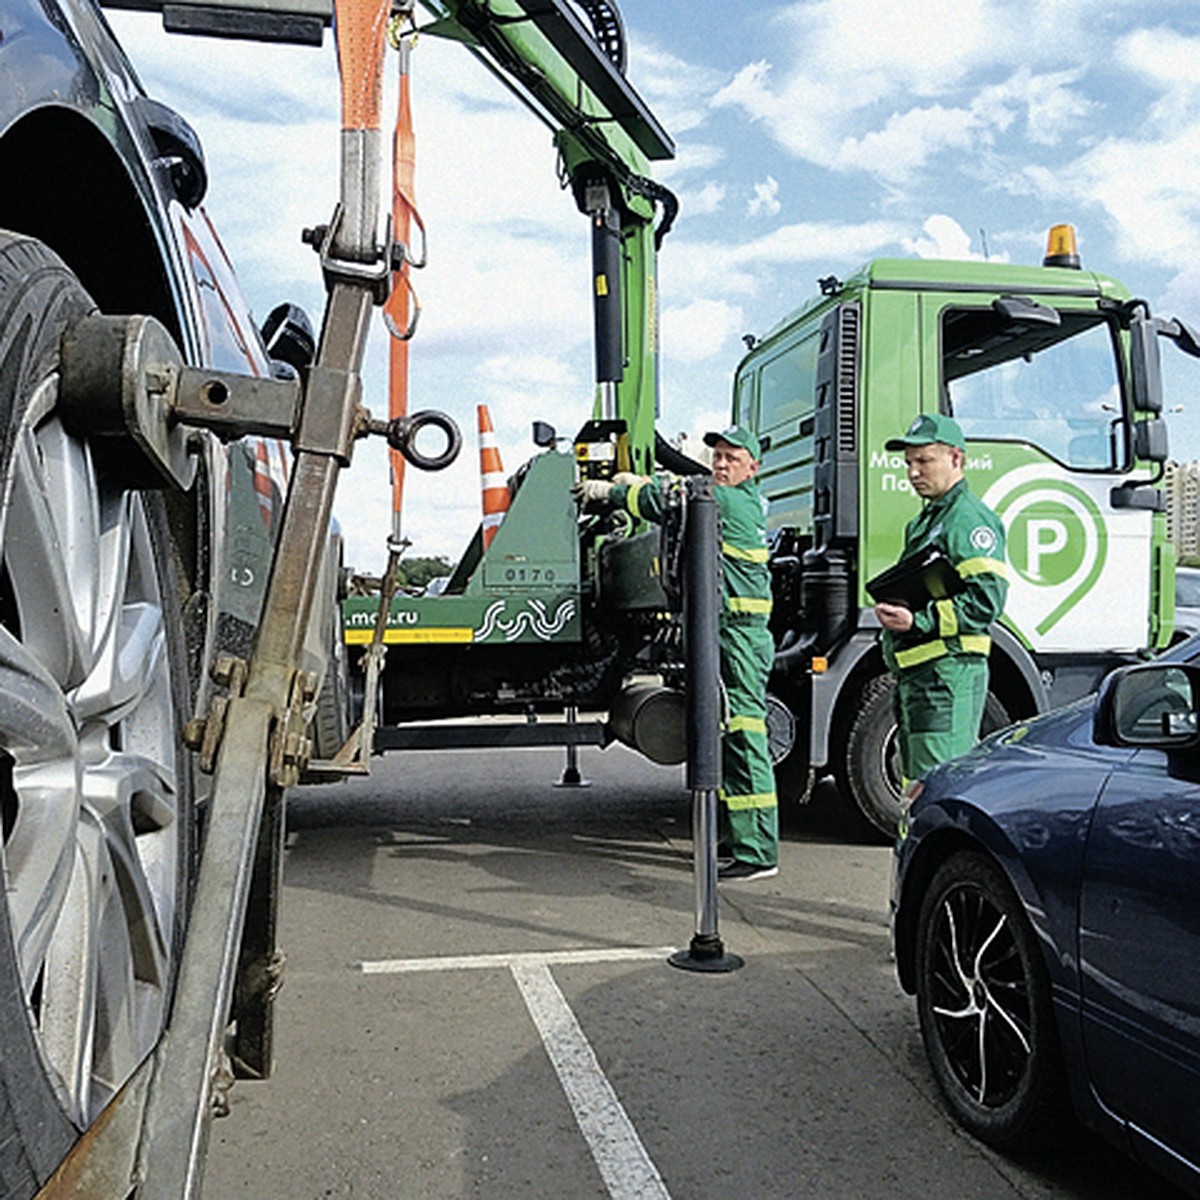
x=1054, y=387
x=744, y=408
x=787, y=386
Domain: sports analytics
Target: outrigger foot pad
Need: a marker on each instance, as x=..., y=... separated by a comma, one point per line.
x=706, y=953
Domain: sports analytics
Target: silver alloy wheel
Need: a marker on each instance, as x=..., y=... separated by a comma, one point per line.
x=91, y=794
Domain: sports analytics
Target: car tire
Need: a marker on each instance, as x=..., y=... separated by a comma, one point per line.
x=331, y=718
x=983, y=999
x=95, y=786
x=870, y=773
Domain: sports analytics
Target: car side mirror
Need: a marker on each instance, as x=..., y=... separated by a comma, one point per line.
x=288, y=336
x=1157, y=704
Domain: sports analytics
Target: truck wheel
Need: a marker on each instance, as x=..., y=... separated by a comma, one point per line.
x=95, y=791
x=870, y=771
x=789, y=751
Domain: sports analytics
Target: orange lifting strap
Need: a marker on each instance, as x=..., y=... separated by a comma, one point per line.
x=402, y=309
x=358, y=28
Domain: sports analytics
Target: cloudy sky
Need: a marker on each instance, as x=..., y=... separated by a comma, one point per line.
x=810, y=137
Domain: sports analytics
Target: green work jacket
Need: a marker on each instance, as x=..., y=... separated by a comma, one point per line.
x=971, y=536
x=746, y=579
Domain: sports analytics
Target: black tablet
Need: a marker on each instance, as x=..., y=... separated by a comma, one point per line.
x=916, y=579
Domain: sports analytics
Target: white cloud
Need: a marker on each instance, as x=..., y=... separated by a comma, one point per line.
x=924, y=47
x=691, y=156
x=700, y=330
x=925, y=44
x=676, y=91
x=741, y=268
x=1182, y=295
x=944, y=238
x=908, y=140
x=708, y=199
x=801, y=113
x=526, y=368
x=1054, y=106
x=821, y=242
x=840, y=93
x=765, y=201
x=1168, y=61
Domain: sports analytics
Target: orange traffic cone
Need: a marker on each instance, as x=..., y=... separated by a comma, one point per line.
x=491, y=477
x=264, y=488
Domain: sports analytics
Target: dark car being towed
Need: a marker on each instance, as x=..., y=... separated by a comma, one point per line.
x=1046, y=913
x=115, y=588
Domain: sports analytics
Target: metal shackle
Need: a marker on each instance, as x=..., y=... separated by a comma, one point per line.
x=402, y=436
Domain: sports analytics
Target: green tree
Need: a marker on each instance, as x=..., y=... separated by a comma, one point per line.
x=418, y=571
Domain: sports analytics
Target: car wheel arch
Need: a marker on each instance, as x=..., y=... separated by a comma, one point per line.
x=112, y=229
x=959, y=828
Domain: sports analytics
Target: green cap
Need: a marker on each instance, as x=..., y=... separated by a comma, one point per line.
x=927, y=428
x=736, y=435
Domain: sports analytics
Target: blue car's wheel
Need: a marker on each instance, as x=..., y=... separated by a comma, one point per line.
x=983, y=997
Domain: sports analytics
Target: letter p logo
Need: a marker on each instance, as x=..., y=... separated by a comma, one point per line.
x=1045, y=537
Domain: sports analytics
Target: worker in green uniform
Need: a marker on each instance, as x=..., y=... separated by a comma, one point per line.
x=748, y=812
x=938, y=652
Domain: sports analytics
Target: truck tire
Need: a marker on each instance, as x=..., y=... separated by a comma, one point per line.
x=95, y=787
x=869, y=773
x=786, y=715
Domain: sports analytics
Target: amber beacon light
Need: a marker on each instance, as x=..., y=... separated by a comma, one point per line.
x=1061, y=248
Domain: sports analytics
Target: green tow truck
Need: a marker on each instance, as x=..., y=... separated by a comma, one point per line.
x=1054, y=374
x=1052, y=371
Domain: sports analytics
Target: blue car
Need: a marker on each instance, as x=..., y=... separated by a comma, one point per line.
x=1046, y=915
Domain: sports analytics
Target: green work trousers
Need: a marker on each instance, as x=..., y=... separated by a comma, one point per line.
x=749, y=812
x=939, y=706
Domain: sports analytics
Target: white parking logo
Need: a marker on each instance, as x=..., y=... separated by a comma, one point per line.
x=1045, y=538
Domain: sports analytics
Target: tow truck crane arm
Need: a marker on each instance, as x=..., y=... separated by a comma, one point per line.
x=606, y=137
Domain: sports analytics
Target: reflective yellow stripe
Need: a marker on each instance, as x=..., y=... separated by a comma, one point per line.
x=920, y=654
x=947, y=618
x=970, y=643
x=747, y=725
x=749, y=604
x=754, y=800
x=632, y=495
x=758, y=555
x=982, y=566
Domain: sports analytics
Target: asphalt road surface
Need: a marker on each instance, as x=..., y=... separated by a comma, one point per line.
x=477, y=1003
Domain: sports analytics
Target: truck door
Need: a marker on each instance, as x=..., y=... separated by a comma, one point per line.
x=1039, y=393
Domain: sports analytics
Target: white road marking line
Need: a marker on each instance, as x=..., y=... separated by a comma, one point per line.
x=479, y=962
x=625, y=1166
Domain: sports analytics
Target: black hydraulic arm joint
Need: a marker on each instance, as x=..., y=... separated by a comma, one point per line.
x=606, y=281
